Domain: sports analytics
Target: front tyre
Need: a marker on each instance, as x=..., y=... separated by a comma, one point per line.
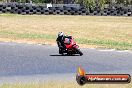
x=79, y=51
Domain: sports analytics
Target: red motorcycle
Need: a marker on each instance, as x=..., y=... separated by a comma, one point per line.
x=70, y=47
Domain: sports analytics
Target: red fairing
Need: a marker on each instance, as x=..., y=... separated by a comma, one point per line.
x=71, y=45
x=76, y=46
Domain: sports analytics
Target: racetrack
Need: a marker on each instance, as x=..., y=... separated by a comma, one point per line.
x=28, y=60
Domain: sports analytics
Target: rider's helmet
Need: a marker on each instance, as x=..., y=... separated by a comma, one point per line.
x=60, y=34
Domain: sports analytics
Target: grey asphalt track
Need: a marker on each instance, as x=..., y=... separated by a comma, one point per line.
x=28, y=59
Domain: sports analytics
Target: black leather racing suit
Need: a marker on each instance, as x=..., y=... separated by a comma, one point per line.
x=60, y=41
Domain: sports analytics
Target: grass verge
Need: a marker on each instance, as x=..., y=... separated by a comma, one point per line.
x=100, y=42
x=64, y=85
x=93, y=31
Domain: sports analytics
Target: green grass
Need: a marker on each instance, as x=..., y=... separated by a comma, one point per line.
x=105, y=43
x=27, y=35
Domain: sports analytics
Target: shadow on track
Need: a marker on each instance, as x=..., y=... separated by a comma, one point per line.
x=63, y=55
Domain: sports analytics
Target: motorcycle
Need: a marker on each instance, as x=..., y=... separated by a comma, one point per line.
x=70, y=47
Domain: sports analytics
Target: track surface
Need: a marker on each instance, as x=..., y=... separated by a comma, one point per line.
x=26, y=60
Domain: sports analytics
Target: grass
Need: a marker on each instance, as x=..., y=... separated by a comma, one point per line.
x=64, y=85
x=27, y=35
x=88, y=31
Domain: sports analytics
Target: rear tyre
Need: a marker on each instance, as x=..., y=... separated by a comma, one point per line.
x=60, y=51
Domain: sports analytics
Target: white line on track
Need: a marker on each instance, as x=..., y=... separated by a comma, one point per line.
x=120, y=51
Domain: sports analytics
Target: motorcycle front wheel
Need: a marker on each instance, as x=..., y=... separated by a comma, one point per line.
x=79, y=51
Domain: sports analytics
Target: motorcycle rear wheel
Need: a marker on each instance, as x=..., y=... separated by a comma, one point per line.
x=60, y=51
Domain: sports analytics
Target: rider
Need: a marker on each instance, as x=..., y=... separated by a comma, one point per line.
x=60, y=40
